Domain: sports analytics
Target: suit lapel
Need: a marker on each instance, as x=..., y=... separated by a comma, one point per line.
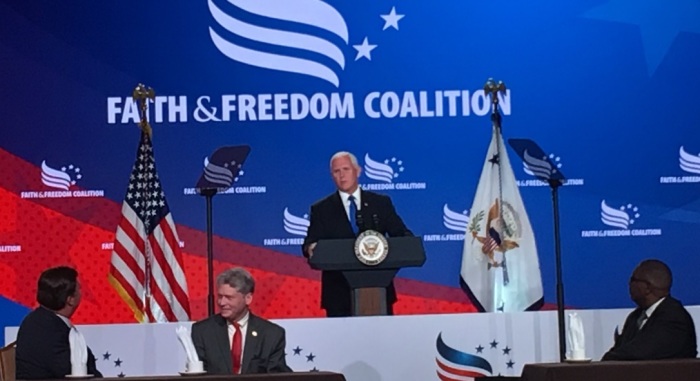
x=222, y=342
x=252, y=341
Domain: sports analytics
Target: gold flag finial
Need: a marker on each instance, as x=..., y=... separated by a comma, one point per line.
x=141, y=95
x=492, y=88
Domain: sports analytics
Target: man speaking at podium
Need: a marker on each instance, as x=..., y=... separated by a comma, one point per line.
x=344, y=214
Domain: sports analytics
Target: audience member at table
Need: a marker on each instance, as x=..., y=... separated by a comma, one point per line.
x=660, y=327
x=43, y=340
x=235, y=341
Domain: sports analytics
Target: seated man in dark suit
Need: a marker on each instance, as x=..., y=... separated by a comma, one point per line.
x=331, y=219
x=235, y=341
x=43, y=349
x=660, y=328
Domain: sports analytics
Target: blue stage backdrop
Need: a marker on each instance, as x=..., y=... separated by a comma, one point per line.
x=606, y=88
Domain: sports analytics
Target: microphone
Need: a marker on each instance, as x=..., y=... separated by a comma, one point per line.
x=375, y=221
x=360, y=221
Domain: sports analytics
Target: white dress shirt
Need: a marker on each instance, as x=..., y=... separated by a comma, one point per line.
x=651, y=310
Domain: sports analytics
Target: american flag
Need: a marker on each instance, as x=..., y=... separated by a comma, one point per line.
x=146, y=267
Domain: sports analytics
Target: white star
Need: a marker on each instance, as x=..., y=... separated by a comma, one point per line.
x=392, y=19
x=364, y=49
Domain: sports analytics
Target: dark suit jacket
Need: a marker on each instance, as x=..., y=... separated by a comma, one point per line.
x=669, y=333
x=330, y=221
x=43, y=351
x=263, y=351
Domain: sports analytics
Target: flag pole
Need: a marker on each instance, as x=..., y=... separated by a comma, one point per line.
x=147, y=267
x=491, y=88
x=141, y=95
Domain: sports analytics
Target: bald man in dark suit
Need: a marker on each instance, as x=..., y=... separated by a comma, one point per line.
x=660, y=327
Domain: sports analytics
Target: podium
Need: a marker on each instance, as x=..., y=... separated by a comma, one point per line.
x=368, y=283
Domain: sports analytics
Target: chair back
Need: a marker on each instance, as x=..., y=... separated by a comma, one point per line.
x=7, y=362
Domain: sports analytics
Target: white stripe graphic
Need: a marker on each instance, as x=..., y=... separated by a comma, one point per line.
x=273, y=61
x=313, y=13
x=688, y=162
x=453, y=220
x=277, y=37
x=54, y=178
x=614, y=217
x=310, y=12
x=295, y=225
x=378, y=171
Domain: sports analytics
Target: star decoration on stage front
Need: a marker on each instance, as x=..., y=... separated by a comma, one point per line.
x=109, y=366
x=302, y=360
x=492, y=359
x=506, y=351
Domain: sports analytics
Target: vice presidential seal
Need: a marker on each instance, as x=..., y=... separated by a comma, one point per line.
x=371, y=247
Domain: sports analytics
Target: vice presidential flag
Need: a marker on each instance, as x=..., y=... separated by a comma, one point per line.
x=500, y=267
x=146, y=267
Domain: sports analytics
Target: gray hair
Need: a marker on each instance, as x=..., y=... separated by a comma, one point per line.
x=238, y=278
x=340, y=154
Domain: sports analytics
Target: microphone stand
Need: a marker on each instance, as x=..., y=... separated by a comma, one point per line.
x=219, y=173
x=528, y=148
x=208, y=194
x=554, y=184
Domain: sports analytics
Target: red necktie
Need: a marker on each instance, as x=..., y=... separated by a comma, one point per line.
x=237, y=349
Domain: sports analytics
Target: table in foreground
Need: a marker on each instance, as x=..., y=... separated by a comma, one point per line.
x=660, y=370
x=295, y=376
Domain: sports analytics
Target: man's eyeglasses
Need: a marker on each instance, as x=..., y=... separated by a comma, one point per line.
x=635, y=279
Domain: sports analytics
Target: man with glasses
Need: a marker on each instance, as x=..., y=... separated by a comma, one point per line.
x=660, y=327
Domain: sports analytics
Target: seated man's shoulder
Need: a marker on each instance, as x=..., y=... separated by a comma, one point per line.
x=208, y=321
x=674, y=304
x=39, y=316
x=266, y=324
